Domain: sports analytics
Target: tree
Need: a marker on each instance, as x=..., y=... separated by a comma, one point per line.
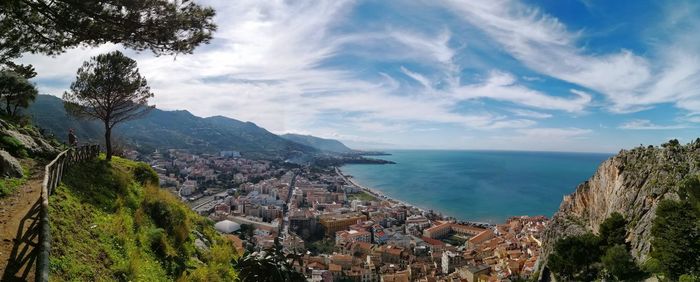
x=270, y=265
x=108, y=87
x=676, y=238
x=613, y=230
x=574, y=257
x=16, y=91
x=52, y=26
x=620, y=265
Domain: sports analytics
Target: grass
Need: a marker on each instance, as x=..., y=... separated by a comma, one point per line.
x=9, y=185
x=362, y=196
x=110, y=222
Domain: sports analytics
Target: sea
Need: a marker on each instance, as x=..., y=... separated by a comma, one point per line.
x=480, y=186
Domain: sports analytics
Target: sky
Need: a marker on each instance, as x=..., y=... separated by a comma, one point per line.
x=549, y=75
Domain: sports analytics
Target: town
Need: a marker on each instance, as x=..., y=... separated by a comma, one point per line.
x=341, y=230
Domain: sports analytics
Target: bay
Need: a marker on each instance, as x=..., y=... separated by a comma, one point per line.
x=484, y=186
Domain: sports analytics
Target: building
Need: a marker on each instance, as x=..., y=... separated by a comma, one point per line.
x=352, y=236
x=473, y=272
x=337, y=222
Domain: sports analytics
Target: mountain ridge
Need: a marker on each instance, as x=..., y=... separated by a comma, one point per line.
x=323, y=144
x=180, y=129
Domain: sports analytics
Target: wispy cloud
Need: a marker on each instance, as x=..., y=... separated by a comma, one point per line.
x=643, y=124
x=630, y=81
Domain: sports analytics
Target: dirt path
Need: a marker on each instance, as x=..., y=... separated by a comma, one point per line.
x=19, y=228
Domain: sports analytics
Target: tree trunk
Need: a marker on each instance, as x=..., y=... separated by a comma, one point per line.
x=108, y=142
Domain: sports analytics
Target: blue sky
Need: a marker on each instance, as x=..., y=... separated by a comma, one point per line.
x=553, y=75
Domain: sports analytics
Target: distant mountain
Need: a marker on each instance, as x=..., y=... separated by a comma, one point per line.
x=172, y=129
x=328, y=145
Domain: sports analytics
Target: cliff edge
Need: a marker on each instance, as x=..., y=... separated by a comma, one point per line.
x=631, y=183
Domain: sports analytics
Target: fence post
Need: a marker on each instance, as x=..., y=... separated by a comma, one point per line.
x=53, y=173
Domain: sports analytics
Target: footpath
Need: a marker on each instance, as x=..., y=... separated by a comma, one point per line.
x=19, y=229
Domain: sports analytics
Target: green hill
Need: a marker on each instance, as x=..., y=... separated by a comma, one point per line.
x=328, y=145
x=110, y=223
x=172, y=129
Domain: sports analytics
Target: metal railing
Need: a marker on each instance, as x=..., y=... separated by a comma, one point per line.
x=53, y=174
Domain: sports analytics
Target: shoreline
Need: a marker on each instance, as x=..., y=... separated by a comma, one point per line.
x=383, y=197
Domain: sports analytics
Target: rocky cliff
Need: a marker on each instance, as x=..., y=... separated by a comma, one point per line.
x=631, y=183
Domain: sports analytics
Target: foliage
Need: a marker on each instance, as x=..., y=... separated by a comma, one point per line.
x=144, y=174
x=574, y=257
x=16, y=92
x=108, y=88
x=619, y=264
x=587, y=257
x=676, y=238
x=270, y=265
x=171, y=129
x=324, y=246
x=612, y=230
x=51, y=27
x=13, y=146
x=108, y=226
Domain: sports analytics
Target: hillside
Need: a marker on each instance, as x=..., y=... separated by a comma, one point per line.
x=633, y=183
x=171, y=129
x=327, y=145
x=109, y=223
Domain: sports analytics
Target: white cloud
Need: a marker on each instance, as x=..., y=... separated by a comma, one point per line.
x=630, y=81
x=554, y=133
x=502, y=86
x=643, y=124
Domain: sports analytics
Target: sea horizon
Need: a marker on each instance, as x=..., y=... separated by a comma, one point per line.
x=478, y=185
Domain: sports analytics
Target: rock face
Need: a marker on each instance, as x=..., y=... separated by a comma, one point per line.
x=31, y=140
x=631, y=183
x=9, y=166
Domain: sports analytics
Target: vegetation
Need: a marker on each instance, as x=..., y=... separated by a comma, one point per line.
x=676, y=233
x=13, y=146
x=50, y=27
x=588, y=257
x=171, y=129
x=270, y=265
x=9, y=185
x=15, y=91
x=110, y=222
x=109, y=88
x=324, y=246
x=362, y=196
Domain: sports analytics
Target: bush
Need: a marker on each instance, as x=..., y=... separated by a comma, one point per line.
x=676, y=238
x=574, y=257
x=612, y=230
x=620, y=265
x=144, y=174
x=13, y=146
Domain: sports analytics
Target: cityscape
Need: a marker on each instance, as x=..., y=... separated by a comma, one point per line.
x=340, y=229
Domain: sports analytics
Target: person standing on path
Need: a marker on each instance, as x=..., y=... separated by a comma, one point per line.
x=72, y=140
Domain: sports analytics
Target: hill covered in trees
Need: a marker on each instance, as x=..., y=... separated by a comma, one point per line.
x=323, y=144
x=161, y=129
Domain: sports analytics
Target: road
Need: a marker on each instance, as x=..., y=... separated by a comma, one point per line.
x=284, y=227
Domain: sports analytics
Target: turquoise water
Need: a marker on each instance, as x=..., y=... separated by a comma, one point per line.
x=487, y=186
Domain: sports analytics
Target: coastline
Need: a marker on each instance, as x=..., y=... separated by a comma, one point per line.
x=381, y=196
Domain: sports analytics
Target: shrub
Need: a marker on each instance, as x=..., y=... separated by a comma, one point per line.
x=13, y=146
x=144, y=174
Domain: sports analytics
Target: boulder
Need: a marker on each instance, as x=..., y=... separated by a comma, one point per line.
x=9, y=166
x=32, y=141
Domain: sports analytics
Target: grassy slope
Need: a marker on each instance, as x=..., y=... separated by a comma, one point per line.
x=109, y=223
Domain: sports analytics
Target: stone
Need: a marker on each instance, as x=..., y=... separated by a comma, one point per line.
x=9, y=166
x=32, y=141
x=631, y=183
